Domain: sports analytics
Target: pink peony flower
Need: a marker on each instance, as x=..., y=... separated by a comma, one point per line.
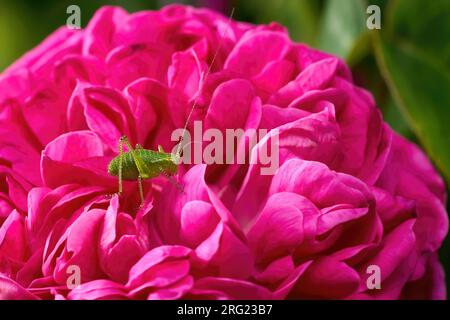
x=349, y=193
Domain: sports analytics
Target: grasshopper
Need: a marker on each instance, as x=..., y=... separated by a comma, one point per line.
x=139, y=163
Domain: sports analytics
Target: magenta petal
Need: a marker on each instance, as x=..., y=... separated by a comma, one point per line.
x=208, y=248
x=125, y=63
x=397, y=245
x=76, y=68
x=99, y=37
x=80, y=248
x=233, y=289
x=185, y=74
x=174, y=291
x=417, y=181
x=279, y=228
x=10, y=290
x=254, y=52
x=316, y=76
x=233, y=258
x=234, y=98
x=198, y=219
x=277, y=270
x=108, y=114
x=17, y=150
x=108, y=235
x=122, y=257
x=98, y=290
x=17, y=191
x=153, y=270
x=117, y=252
x=274, y=116
x=43, y=107
x=289, y=283
x=319, y=184
x=330, y=219
x=274, y=76
x=431, y=284
x=311, y=137
x=144, y=96
x=327, y=278
x=13, y=235
x=74, y=146
x=78, y=152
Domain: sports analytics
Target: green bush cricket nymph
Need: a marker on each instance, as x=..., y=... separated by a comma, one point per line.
x=139, y=163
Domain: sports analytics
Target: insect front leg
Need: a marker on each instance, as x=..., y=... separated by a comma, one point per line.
x=171, y=180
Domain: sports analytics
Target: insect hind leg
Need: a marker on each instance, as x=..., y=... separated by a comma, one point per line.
x=120, y=171
x=140, y=165
x=121, y=143
x=141, y=190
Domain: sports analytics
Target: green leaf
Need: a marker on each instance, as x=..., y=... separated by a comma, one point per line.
x=342, y=28
x=414, y=58
x=421, y=89
x=426, y=27
x=299, y=16
x=13, y=43
x=396, y=120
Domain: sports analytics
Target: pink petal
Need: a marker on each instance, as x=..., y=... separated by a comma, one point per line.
x=78, y=152
x=279, y=227
x=327, y=278
x=233, y=289
x=99, y=37
x=316, y=76
x=254, y=52
x=10, y=290
x=198, y=219
x=98, y=290
x=159, y=267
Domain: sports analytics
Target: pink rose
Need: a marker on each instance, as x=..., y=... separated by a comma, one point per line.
x=349, y=192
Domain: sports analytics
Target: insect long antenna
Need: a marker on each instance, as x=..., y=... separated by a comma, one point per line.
x=202, y=83
x=176, y=157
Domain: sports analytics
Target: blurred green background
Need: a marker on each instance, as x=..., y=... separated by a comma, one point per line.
x=406, y=64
